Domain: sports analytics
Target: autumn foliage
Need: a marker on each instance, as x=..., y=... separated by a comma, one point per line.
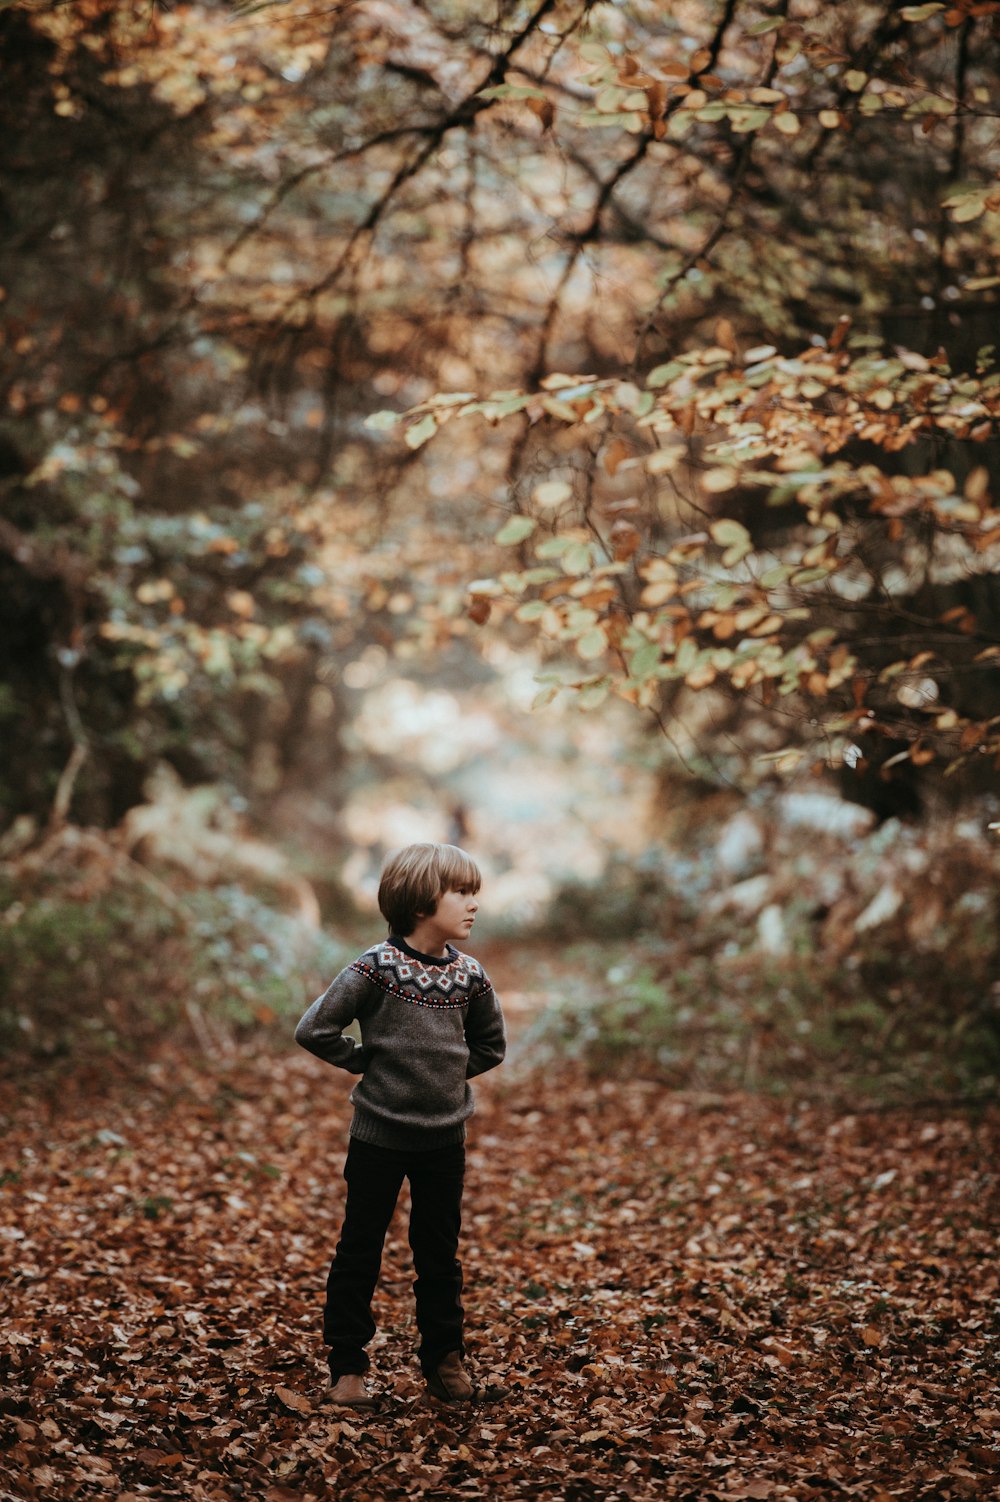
x=657, y=343
x=669, y=1295
x=801, y=614
x=721, y=279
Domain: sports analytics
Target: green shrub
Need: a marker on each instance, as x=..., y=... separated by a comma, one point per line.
x=908, y=1003
x=130, y=959
x=885, y=1027
x=623, y=902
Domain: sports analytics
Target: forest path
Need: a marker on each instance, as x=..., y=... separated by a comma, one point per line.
x=667, y=1295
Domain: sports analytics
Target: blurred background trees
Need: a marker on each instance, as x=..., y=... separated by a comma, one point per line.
x=693, y=306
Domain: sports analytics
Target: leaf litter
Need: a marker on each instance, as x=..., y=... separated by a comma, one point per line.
x=669, y=1295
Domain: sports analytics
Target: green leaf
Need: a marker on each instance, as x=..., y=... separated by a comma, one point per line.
x=645, y=660
x=417, y=435
x=971, y=207
x=540, y=575
x=380, y=422
x=578, y=558
x=531, y=610
x=732, y=535
x=592, y=643
x=551, y=493
x=511, y=91
x=515, y=530
x=662, y=374
x=687, y=655
x=624, y=120
x=593, y=694
x=919, y=12
x=743, y=118
x=505, y=404
x=555, y=547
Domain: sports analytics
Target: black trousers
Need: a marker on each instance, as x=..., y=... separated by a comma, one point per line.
x=374, y=1178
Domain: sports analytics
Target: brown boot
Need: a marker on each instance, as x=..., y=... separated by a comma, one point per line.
x=450, y=1380
x=350, y=1391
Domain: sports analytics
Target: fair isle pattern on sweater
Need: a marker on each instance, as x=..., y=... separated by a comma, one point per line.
x=442, y=986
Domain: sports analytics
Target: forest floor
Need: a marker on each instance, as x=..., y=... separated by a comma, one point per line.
x=669, y=1295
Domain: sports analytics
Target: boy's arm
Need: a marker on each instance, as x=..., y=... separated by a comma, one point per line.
x=484, y=1033
x=322, y=1028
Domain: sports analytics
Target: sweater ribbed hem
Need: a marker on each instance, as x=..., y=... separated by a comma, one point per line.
x=382, y=1133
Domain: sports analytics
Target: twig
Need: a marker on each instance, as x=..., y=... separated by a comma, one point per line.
x=462, y=115
x=66, y=784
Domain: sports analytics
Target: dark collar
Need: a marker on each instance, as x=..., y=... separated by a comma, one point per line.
x=425, y=959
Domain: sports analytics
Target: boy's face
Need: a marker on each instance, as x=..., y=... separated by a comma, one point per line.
x=455, y=914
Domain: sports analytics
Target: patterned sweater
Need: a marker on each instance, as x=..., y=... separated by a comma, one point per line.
x=428, y=1026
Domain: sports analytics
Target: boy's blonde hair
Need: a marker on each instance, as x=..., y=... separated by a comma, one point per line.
x=414, y=879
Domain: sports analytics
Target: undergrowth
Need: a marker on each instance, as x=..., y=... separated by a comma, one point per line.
x=750, y=1022
x=127, y=960
x=698, y=1003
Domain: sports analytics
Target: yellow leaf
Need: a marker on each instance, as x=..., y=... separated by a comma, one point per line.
x=977, y=485
x=664, y=460
x=241, y=603
x=551, y=493
x=715, y=481
x=658, y=594
x=970, y=208
x=788, y=123
x=655, y=569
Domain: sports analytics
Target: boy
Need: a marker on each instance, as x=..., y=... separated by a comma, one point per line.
x=430, y=1021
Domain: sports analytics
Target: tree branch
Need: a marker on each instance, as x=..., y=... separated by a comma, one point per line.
x=463, y=115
